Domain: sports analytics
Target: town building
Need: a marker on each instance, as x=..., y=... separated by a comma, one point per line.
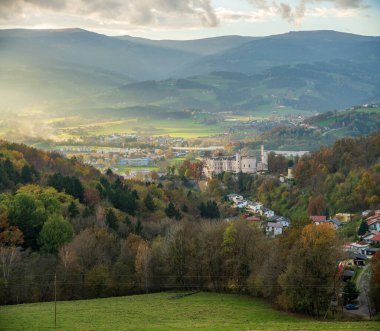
x=318, y=219
x=246, y=164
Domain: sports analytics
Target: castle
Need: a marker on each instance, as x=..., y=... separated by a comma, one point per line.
x=246, y=164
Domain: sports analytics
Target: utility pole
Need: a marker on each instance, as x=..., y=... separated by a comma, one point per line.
x=55, y=300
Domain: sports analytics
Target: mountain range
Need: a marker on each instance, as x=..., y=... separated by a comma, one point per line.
x=309, y=70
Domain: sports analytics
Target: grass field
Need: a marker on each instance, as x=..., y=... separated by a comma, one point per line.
x=162, y=311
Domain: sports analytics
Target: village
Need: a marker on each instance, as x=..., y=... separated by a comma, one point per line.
x=357, y=253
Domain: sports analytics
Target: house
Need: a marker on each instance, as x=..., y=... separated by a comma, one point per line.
x=235, y=197
x=266, y=212
x=273, y=229
x=241, y=204
x=279, y=219
x=359, y=248
x=369, y=235
x=255, y=206
x=343, y=217
x=375, y=239
x=317, y=220
x=374, y=223
x=335, y=223
x=284, y=221
x=359, y=259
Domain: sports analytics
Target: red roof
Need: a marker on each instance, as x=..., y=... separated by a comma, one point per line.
x=371, y=218
x=318, y=218
x=375, y=238
x=253, y=218
x=376, y=220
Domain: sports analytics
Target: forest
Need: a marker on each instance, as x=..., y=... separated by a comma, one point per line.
x=104, y=236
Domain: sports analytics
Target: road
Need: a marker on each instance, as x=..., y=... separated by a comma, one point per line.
x=362, y=284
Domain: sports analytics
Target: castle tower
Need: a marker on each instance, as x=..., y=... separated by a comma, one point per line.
x=238, y=162
x=264, y=158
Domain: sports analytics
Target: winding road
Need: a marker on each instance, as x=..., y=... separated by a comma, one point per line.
x=362, y=284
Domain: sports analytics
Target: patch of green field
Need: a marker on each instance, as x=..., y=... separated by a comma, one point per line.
x=161, y=311
x=265, y=111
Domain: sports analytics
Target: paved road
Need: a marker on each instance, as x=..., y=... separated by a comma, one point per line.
x=362, y=284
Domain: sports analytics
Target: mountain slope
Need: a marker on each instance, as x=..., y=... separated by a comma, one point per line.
x=290, y=48
x=312, y=87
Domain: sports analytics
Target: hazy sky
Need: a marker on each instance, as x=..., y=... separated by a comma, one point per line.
x=189, y=19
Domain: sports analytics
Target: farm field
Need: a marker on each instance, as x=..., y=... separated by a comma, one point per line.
x=186, y=128
x=165, y=311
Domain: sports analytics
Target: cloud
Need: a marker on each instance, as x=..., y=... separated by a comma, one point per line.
x=133, y=12
x=295, y=13
x=226, y=15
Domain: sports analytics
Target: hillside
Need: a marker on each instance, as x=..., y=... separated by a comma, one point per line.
x=162, y=311
x=307, y=87
x=323, y=129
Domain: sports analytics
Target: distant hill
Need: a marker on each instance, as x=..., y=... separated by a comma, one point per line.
x=73, y=69
x=310, y=87
x=290, y=48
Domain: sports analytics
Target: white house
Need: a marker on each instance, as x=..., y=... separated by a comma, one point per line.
x=284, y=221
x=279, y=219
x=234, y=196
x=359, y=248
x=273, y=229
x=242, y=204
x=266, y=212
x=255, y=206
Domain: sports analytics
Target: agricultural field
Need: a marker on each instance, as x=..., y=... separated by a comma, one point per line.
x=166, y=311
x=186, y=128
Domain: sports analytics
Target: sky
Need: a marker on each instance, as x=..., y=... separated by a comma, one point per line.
x=193, y=19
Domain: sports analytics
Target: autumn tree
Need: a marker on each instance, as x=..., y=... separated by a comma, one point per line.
x=142, y=265
x=309, y=280
x=375, y=281
x=317, y=205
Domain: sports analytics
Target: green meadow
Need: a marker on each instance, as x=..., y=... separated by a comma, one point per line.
x=166, y=311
